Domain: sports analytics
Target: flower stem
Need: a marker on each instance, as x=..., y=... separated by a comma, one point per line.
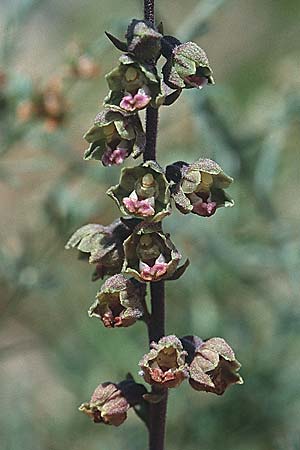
x=156, y=325
x=149, y=10
x=157, y=322
x=157, y=422
x=151, y=113
x=156, y=329
x=151, y=133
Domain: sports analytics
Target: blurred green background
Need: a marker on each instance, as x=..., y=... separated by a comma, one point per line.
x=243, y=281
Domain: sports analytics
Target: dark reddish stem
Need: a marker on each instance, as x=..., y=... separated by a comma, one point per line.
x=151, y=133
x=157, y=322
x=151, y=113
x=149, y=10
x=156, y=325
x=156, y=328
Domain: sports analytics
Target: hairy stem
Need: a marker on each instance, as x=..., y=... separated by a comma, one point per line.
x=156, y=325
x=151, y=113
x=149, y=10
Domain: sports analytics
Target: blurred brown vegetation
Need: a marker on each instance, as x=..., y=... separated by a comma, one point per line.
x=243, y=282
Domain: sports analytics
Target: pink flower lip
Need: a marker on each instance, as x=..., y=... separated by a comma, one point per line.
x=143, y=208
x=155, y=272
x=108, y=320
x=139, y=101
x=111, y=321
x=114, y=157
x=196, y=81
x=161, y=376
x=204, y=209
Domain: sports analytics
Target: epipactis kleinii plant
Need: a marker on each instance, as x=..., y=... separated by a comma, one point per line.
x=135, y=252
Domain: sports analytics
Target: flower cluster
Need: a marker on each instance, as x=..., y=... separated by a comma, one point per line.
x=134, y=250
x=134, y=84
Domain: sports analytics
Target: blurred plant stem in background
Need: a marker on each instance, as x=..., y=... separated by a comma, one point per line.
x=248, y=272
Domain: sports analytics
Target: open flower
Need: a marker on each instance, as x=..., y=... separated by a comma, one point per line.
x=150, y=255
x=133, y=86
x=143, y=192
x=164, y=365
x=187, y=65
x=214, y=367
x=110, y=401
x=199, y=187
x=107, y=405
x=104, y=244
x=118, y=303
x=113, y=137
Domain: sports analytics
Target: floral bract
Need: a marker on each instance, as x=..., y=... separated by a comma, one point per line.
x=118, y=303
x=165, y=365
x=149, y=254
x=143, y=192
x=114, y=136
x=200, y=188
x=214, y=367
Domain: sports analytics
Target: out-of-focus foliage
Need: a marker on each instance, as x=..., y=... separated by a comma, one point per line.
x=243, y=281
